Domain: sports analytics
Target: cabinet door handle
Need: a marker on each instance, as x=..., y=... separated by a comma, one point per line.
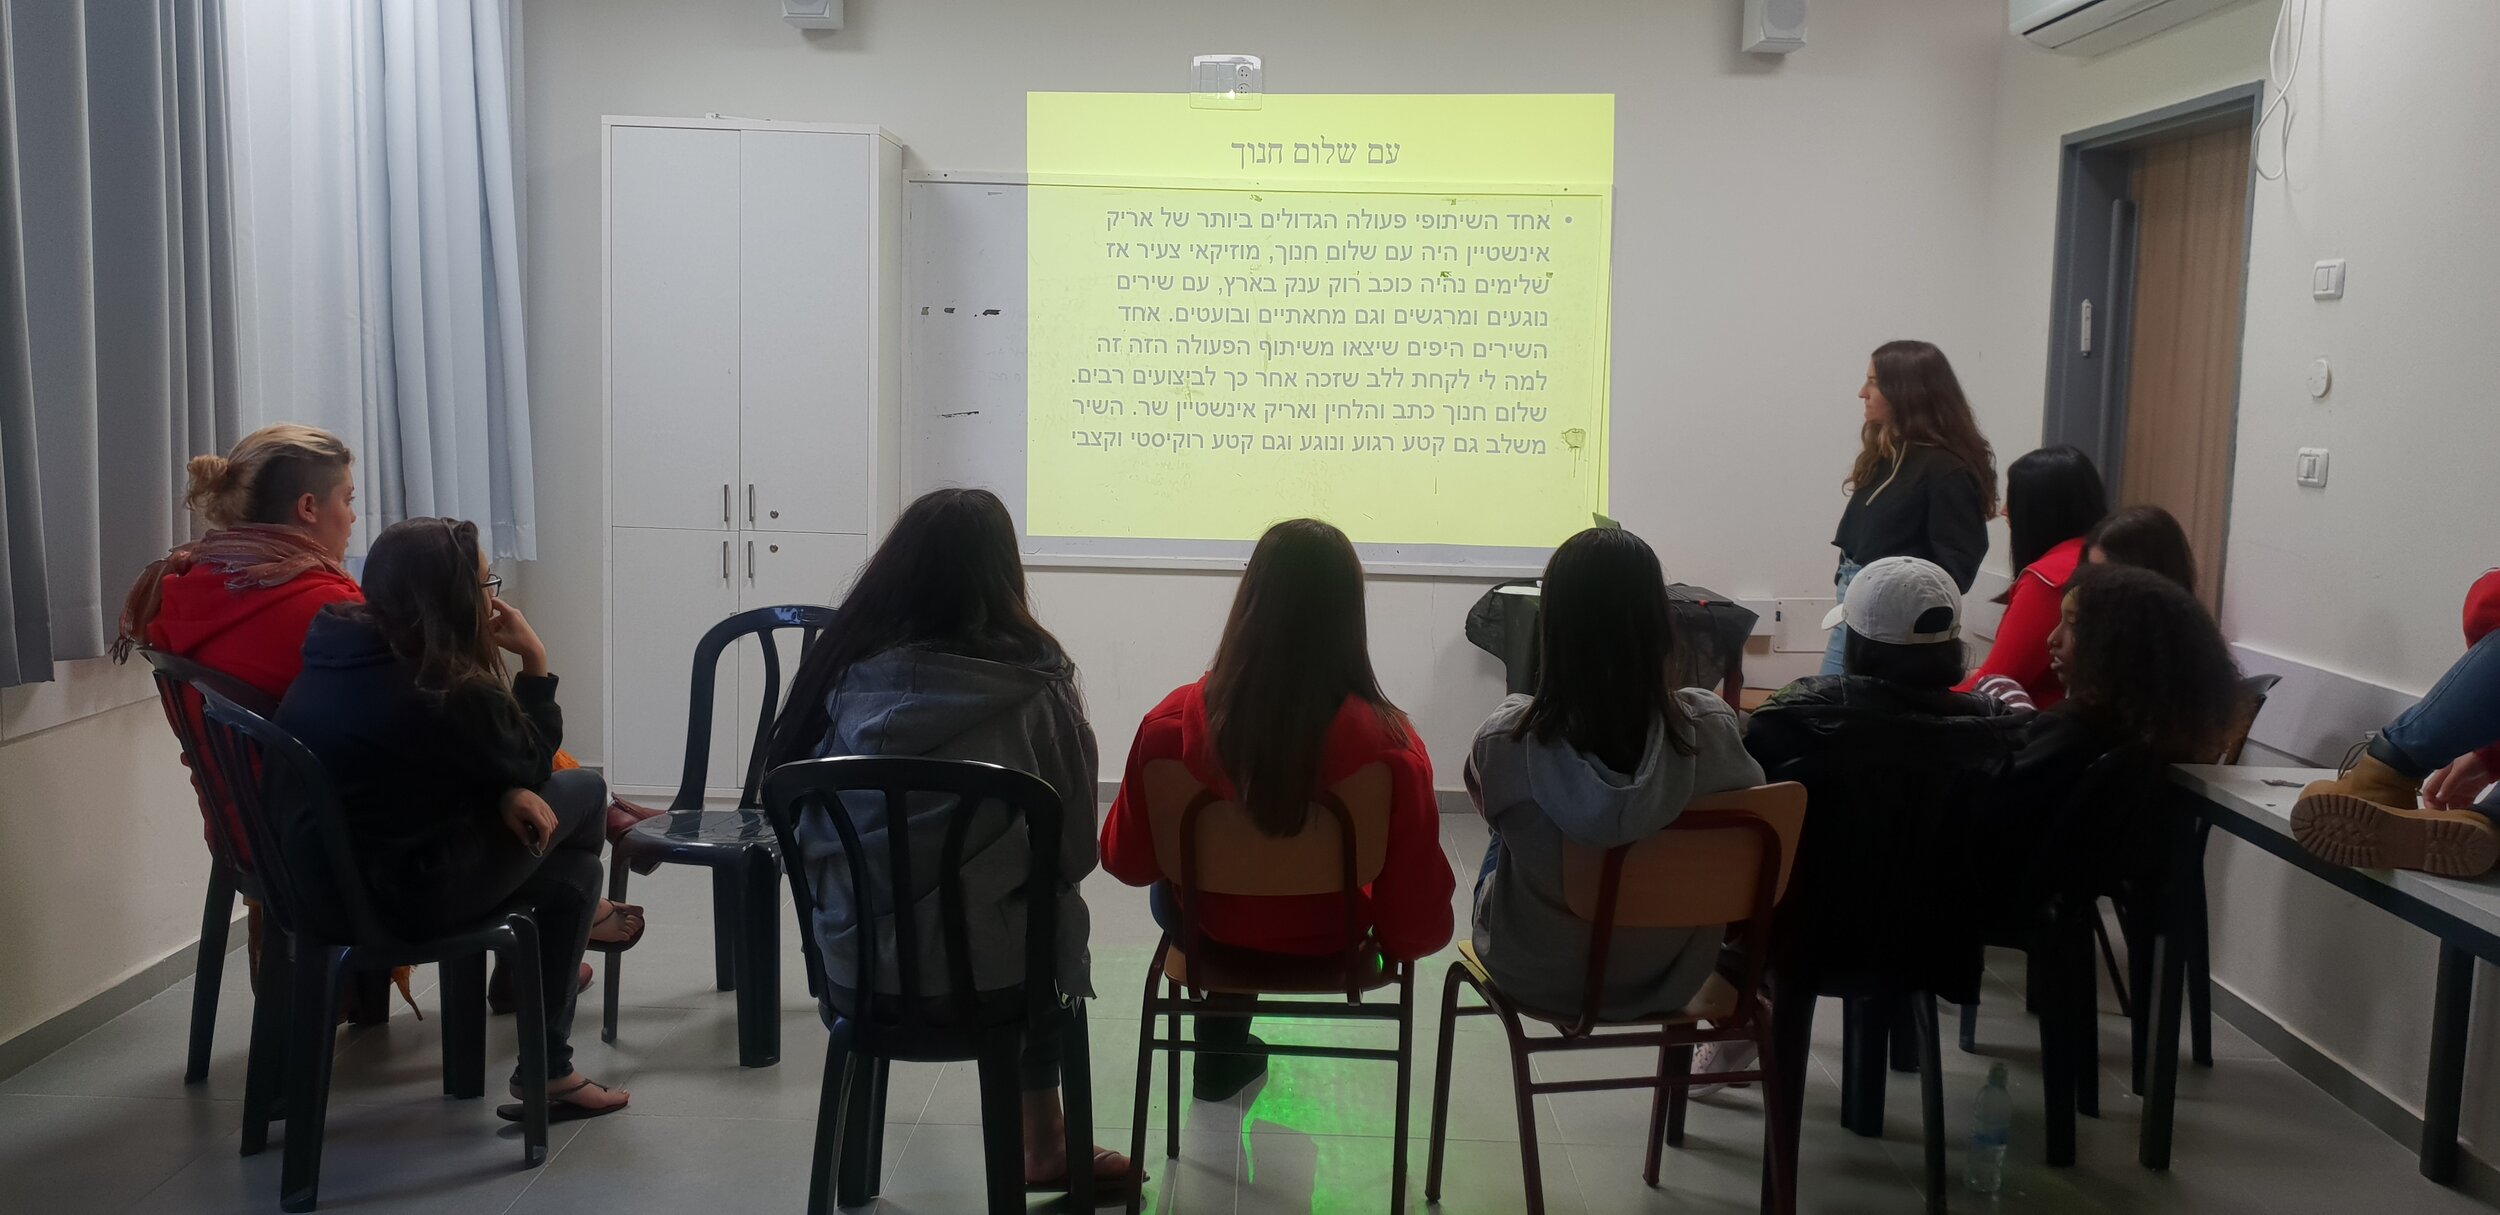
x=724, y=561
x=750, y=563
x=724, y=502
x=750, y=504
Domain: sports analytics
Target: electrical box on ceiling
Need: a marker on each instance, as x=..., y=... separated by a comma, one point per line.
x=1772, y=27
x=813, y=14
x=2089, y=27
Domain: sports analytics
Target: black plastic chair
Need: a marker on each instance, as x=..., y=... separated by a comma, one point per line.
x=736, y=844
x=2103, y=834
x=182, y=712
x=1884, y=910
x=320, y=923
x=929, y=1018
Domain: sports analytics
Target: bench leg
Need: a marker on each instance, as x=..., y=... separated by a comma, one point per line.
x=2450, y=1010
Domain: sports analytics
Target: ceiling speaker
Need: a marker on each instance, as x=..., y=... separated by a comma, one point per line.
x=1772, y=27
x=813, y=14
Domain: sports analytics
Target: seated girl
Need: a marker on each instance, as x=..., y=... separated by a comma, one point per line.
x=1289, y=707
x=936, y=654
x=281, y=508
x=2053, y=496
x=1607, y=752
x=445, y=766
x=2144, y=536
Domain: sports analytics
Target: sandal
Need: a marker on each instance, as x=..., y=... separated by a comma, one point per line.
x=1109, y=1188
x=628, y=912
x=561, y=1110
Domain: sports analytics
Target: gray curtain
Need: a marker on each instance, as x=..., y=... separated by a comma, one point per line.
x=117, y=305
x=380, y=235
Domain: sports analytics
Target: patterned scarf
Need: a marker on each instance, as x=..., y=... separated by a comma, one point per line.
x=252, y=556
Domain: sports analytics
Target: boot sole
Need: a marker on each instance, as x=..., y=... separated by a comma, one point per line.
x=2349, y=830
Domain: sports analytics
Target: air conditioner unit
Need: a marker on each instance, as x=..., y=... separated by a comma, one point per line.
x=2089, y=27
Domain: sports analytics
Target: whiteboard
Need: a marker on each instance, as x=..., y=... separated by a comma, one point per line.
x=964, y=388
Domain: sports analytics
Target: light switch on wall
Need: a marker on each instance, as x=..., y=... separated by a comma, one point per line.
x=2326, y=280
x=2312, y=467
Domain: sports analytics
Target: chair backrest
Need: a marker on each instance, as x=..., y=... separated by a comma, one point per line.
x=764, y=624
x=301, y=856
x=179, y=682
x=1886, y=891
x=2108, y=827
x=1207, y=845
x=2253, y=690
x=812, y=789
x=1724, y=860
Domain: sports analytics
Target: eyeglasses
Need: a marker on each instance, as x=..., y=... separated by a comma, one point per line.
x=491, y=586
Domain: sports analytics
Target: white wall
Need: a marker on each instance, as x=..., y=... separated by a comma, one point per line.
x=101, y=864
x=2390, y=167
x=1776, y=221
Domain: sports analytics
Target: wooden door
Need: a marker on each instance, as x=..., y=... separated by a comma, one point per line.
x=806, y=269
x=2182, y=400
x=673, y=327
x=670, y=587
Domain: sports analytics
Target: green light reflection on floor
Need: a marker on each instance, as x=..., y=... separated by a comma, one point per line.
x=1342, y=1107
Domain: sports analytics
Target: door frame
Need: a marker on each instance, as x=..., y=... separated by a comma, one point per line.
x=2086, y=401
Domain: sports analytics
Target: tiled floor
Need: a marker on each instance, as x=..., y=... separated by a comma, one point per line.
x=106, y=1125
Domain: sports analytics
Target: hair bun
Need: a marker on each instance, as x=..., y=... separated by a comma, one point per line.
x=212, y=478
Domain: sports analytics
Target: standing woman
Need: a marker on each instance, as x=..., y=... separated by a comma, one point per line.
x=445, y=767
x=1924, y=484
x=2053, y=499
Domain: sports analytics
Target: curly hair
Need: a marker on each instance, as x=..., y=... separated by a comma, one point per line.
x=2148, y=663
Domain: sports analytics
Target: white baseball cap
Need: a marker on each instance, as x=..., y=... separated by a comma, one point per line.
x=1901, y=601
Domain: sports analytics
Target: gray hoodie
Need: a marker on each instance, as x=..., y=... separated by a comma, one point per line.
x=1024, y=715
x=1534, y=795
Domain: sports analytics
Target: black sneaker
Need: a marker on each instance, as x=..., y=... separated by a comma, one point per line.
x=1219, y=1077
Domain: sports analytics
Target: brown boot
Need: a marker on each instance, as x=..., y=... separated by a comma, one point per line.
x=2368, y=819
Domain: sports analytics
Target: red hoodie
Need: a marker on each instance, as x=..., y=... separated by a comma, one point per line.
x=255, y=635
x=2021, y=651
x=1407, y=906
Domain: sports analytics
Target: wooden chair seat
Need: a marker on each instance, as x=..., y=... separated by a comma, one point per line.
x=1720, y=1005
x=1235, y=971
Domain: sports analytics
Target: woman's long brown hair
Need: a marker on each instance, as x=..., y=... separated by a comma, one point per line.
x=1928, y=409
x=1294, y=648
x=422, y=593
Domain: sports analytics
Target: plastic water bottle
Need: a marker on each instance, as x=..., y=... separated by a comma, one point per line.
x=1992, y=1124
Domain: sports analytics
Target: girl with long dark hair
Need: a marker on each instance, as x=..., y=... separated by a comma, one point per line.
x=1924, y=483
x=444, y=766
x=1607, y=752
x=936, y=654
x=2144, y=664
x=2147, y=537
x=1289, y=707
x=2053, y=497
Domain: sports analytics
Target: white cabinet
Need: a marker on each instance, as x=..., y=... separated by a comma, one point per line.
x=753, y=423
x=667, y=587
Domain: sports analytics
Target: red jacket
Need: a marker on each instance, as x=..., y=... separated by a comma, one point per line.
x=1407, y=906
x=255, y=635
x=2021, y=652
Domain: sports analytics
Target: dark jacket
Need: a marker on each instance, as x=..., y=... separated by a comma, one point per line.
x=1891, y=889
x=1932, y=506
x=420, y=776
x=1016, y=711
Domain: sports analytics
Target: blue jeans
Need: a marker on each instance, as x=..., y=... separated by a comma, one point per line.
x=1832, y=664
x=2460, y=714
x=1165, y=903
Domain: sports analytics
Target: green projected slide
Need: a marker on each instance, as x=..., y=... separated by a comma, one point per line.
x=1387, y=311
